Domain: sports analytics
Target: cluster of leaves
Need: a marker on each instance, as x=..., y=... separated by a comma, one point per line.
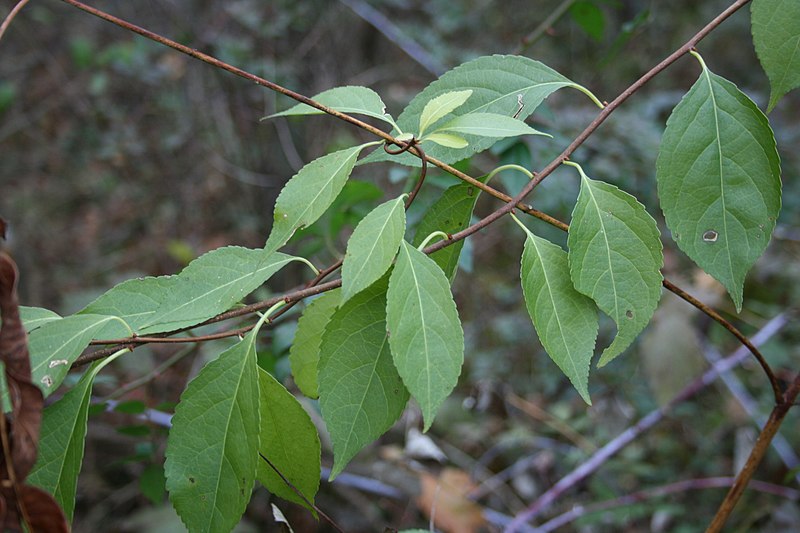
x=392, y=332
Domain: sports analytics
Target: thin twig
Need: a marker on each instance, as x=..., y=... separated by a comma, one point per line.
x=390, y=30
x=779, y=412
x=773, y=380
x=13, y=13
x=150, y=376
x=749, y=404
x=537, y=413
x=648, y=494
x=422, y=173
x=531, y=39
x=300, y=494
x=588, y=467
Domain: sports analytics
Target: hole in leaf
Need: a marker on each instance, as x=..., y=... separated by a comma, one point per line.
x=710, y=236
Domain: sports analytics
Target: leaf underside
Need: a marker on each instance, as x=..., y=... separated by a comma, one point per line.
x=373, y=246
x=361, y=394
x=305, y=350
x=615, y=258
x=565, y=320
x=425, y=334
x=290, y=441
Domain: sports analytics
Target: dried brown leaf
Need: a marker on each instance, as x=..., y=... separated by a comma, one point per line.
x=446, y=498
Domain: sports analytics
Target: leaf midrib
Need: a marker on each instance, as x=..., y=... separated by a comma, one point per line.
x=722, y=189
x=555, y=308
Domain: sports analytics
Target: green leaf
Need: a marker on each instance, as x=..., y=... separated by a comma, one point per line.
x=135, y=301
x=309, y=193
x=718, y=177
x=497, y=83
x=361, y=394
x=450, y=213
x=776, y=36
x=290, y=441
x=34, y=317
x=62, y=439
x=373, y=246
x=211, y=455
x=212, y=284
x=590, y=18
x=447, y=140
x=440, y=106
x=305, y=350
x=425, y=332
x=615, y=258
x=56, y=344
x=349, y=99
x=152, y=483
x=488, y=125
x=565, y=320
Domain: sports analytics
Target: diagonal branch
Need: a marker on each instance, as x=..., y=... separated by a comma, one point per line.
x=511, y=203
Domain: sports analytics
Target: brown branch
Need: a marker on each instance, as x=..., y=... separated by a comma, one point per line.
x=13, y=13
x=511, y=203
x=779, y=412
x=773, y=380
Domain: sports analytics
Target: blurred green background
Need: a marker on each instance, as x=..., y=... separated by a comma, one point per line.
x=119, y=158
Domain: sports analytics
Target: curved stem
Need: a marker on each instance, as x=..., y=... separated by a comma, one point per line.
x=501, y=168
x=422, y=173
x=309, y=263
x=13, y=13
x=773, y=379
x=432, y=236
